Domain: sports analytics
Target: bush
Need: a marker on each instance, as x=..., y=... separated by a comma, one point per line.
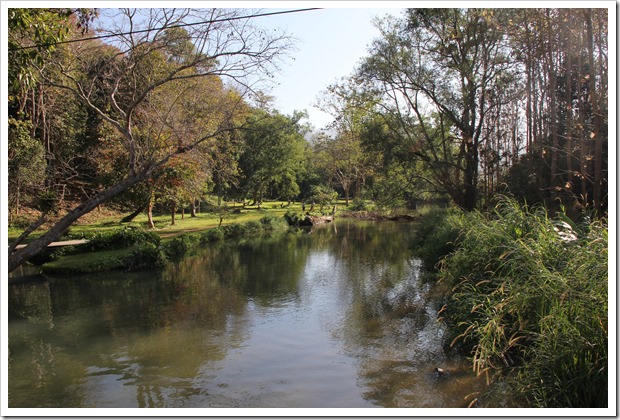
x=322, y=195
x=253, y=228
x=234, y=230
x=145, y=256
x=358, y=204
x=212, y=235
x=274, y=224
x=181, y=245
x=292, y=218
x=115, y=259
x=530, y=297
x=121, y=238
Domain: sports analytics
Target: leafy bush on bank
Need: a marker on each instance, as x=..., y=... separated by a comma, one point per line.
x=120, y=238
x=529, y=301
x=132, y=248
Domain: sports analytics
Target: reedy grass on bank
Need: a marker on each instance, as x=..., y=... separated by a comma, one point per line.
x=529, y=300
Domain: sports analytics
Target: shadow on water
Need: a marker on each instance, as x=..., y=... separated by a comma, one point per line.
x=335, y=317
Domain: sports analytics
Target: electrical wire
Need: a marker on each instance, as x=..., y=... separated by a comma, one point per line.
x=206, y=22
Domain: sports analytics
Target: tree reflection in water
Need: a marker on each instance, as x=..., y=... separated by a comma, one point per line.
x=340, y=317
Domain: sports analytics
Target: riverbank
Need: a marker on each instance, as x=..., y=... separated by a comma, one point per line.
x=132, y=248
x=528, y=299
x=108, y=244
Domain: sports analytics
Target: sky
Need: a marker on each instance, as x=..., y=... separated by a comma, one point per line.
x=330, y=44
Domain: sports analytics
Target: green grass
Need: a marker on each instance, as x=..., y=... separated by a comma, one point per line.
x=529, y=301
x=163, y=225
x=133, y=248
x=89, y=262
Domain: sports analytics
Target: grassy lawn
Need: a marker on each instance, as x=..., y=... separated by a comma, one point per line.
x=88, y=262
x=163, y=225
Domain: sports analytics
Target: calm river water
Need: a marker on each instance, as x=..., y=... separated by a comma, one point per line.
x=339, y=317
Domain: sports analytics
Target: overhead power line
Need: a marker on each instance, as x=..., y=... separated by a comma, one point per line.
x=205, y=22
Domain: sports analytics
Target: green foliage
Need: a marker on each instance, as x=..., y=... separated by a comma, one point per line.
x=293, y=218
x=234, y=230
x=33, y=25
x=530, y=297
x=115, y=259
x=145, y=255
x=358, y=204
x=322, y=195
x=181, y=245
x=26, y=164
x=436, y=236
x=253, y=228
x=272, y=224
x=273, y=154
x=212, y=235
x=121, y=238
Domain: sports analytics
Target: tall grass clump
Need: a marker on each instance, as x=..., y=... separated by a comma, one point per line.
x=529, y=299
x=437, y=233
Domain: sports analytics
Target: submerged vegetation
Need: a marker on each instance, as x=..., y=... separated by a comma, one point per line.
x=528, y=299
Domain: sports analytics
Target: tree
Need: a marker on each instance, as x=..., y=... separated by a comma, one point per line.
x=435, y=70
x=122, y=87
x=273, y=153
x=344, y=157
x=563, y=57
x=26, y=164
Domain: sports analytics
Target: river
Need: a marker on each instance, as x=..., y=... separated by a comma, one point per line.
x=336, y=317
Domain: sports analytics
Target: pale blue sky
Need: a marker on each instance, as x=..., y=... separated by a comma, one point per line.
x=331, y=42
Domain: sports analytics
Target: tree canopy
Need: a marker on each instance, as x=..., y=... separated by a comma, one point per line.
x=158, y=108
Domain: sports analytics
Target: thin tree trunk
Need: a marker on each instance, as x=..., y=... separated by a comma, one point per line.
x=596, y=133
x=569, y=102
x=553, y=103
x=149, y=212
x=582, y=140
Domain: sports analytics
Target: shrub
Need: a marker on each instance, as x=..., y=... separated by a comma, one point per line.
x=115, y=259
x=121, y=238
x=144, y=256
x=293, y=218
x=181, y=245
x=274, y=224
x=322, y=195
x=253, y=228
x=234, y=230
x=212, y=235
x=358, y=204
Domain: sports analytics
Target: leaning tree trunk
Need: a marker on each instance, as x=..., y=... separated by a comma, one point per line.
x=20, y=256
x=133, y=215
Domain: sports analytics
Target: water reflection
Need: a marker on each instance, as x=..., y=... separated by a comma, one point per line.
x=336, y=318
